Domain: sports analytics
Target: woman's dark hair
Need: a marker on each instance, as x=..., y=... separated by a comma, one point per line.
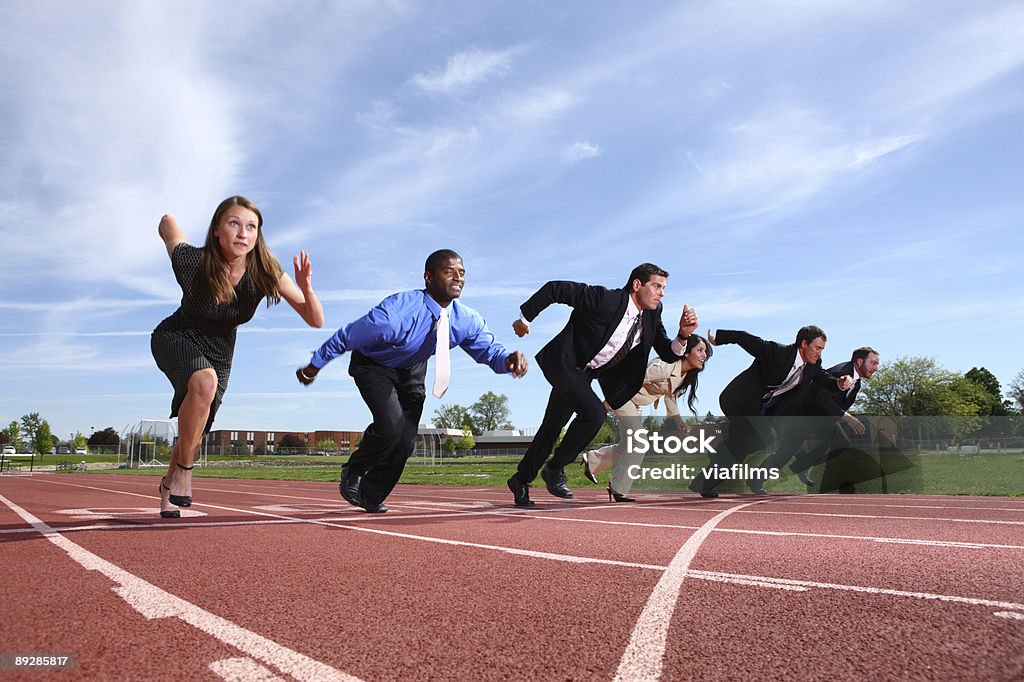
x=690, y=379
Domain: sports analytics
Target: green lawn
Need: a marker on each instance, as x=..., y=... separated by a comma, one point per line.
x=931, y=474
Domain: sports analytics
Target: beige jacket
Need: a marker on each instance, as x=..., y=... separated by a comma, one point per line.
x=662, y=380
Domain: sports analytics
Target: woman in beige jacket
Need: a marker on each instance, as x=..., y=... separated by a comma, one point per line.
x=668, y=380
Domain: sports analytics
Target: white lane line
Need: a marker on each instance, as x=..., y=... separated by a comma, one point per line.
x=358, y=517
x=642, y=659
x=706, y=506
x=243, y=670
x=1013, y=615
x=738, y=579
x=809, y=584
x=887, y=517
x=868, y=503
x=153, y=602
x=543, y=515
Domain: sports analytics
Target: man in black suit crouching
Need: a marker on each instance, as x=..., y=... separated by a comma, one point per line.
x=773, y=385
x=829, y=406
x=609, y=337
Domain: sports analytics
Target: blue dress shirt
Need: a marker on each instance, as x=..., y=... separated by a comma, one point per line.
x=400, y=331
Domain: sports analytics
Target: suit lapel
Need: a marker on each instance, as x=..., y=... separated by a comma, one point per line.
x=620, y=312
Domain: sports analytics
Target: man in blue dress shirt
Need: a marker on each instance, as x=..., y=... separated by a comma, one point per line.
x=390, y=346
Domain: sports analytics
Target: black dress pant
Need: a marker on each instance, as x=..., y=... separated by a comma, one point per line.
x=793, y=431
x=746, y=435
x=395, y=397
x=833, y=443
x=576, y=398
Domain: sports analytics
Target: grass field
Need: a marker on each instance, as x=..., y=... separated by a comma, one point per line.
x=931, y=474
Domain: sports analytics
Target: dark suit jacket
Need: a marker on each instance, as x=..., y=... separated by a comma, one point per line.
x=772, y=363
x=597, y=311
x=833, y=401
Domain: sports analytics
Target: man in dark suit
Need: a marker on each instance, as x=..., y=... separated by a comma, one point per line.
x=771, y=386
x=609, y=337
x=823, y=410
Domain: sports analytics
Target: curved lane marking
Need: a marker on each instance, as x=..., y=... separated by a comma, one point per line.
x=642, y=659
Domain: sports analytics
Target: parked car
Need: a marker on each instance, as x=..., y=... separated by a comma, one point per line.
x=63, y=450
x=8, y=450
x=80, y=451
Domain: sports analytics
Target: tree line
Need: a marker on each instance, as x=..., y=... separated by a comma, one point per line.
x=918, y=386
x=907, y=386
x=34, y=434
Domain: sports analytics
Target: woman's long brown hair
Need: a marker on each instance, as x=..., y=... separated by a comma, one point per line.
x=690, y=380
x=260, y=263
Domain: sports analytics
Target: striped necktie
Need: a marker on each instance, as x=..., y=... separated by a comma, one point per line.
x=627, y=346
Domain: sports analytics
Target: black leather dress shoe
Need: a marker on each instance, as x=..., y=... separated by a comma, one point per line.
x=349, y=486
x=378, y=508
x=805, y=479
x=700, y=491
x=556, y=482
x=520, y=491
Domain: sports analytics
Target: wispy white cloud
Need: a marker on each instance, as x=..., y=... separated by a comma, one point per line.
x=468, y=68
x=86, y=305
x=580, y=151
x=536, y=106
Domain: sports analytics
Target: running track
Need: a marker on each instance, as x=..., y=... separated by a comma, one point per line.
x=276, y=580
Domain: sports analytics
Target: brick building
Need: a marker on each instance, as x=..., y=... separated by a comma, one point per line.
x=266, y=442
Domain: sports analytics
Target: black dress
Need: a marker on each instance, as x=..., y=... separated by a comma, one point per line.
x=201, y=333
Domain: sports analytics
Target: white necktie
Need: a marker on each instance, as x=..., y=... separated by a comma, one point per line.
x=442, y=358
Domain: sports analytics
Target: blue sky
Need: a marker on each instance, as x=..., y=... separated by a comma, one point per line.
x=851, y=164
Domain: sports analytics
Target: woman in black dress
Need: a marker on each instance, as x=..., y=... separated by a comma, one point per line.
x=222, y=284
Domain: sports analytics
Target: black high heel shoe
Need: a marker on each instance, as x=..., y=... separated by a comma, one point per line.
x=616, y=497
x=181, y=500
x=586, y=470
x=167, y=514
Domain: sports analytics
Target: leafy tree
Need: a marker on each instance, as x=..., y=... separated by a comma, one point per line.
x=290, y=442
x=327, y=446
x=29, y=425
x=1017, y=390
x=606, y=434
x=453, y=417
x=994, y=405
x=13, y=433
x=491, y=412
x=463, y=442
x=918, y=386
x=43, y=438
x=107, y=436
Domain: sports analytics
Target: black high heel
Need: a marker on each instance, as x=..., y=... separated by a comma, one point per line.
x=167, y=514
x=181, y=500
x=616, y=497
x=586, y=470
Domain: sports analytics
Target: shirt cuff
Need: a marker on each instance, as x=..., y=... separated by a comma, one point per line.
x=524, y=320
x=317, y=361
x=678, y=347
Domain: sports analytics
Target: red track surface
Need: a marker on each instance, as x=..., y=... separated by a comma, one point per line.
x=284, y=580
